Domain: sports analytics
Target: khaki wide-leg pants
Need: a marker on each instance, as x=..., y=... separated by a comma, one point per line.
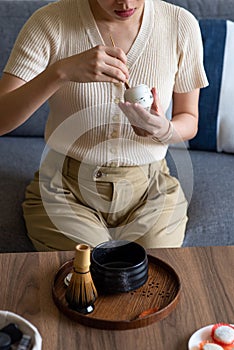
x=69, y=202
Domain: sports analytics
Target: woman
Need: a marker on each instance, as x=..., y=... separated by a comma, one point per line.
x=104, y=175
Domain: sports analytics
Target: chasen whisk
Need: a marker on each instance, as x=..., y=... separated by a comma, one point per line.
x=81, y=292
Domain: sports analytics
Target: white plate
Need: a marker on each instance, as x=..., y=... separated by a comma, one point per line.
x=199, y=336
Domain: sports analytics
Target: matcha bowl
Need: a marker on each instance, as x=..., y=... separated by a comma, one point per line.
x=118, y=266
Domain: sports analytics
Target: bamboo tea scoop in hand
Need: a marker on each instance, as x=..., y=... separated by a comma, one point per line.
x=81, y=292
x=113, y=44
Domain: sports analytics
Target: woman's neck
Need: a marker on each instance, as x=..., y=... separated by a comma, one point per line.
x=123, y=32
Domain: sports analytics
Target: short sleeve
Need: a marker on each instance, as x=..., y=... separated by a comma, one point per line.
x=191, y=73
x=35, y=46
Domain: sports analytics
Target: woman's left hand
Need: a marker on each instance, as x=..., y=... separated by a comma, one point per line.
x=144, y=123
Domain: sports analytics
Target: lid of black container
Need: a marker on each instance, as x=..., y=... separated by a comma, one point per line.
x=5, y=341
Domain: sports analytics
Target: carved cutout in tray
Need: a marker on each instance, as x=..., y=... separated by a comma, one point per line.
x=121, y=311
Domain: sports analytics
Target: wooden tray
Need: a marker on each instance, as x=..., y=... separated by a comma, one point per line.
x=121, y=311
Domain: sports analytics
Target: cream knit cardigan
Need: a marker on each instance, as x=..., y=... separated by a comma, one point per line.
x=85, y=120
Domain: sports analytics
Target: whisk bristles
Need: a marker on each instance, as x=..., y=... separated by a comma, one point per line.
x=81, y=292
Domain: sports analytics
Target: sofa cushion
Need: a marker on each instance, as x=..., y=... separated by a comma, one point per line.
x=210, y=213
x=206, y=178
x=216, y=122
x=207, y=9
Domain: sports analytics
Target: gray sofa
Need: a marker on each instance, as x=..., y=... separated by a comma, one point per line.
x=206, y=175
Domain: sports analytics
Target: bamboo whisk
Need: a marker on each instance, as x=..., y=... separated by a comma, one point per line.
x=113, y=44
x=81, y=292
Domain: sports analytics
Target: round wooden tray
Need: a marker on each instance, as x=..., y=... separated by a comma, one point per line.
x=121, y=311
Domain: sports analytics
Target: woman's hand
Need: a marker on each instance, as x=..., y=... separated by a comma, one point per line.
x=99, y=64
x=153, y=124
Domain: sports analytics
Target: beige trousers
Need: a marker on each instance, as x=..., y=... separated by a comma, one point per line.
x=69, y=202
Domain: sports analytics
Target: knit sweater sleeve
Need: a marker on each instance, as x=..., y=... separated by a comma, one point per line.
x=36, y=45
x=191, y=73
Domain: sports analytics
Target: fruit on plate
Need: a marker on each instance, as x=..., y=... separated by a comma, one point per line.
x=210, y=346
x=221, y=338
x=223, y=334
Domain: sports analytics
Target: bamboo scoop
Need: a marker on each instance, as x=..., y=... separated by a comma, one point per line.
x=113, y=44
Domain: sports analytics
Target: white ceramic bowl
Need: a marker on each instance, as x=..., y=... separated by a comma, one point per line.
x=139, y=94
x=25, y=326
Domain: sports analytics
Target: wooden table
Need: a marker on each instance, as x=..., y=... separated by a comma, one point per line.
x=207, y=297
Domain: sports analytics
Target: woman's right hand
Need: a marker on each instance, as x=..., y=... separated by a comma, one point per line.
x=99, y=64
x=20, y=99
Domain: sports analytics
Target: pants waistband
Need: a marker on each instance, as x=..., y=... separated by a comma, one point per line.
x=75, y=168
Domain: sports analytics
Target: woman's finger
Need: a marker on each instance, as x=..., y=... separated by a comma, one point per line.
x=136, y=114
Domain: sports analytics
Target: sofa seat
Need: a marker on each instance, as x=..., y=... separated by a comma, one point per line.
x=20, y=158
x=211, y=214
x=206, y=186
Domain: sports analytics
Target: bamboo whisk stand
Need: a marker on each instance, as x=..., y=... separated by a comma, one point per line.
x=81, y=292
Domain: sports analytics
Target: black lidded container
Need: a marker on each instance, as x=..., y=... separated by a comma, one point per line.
x=118, y=266
x=5, y=341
